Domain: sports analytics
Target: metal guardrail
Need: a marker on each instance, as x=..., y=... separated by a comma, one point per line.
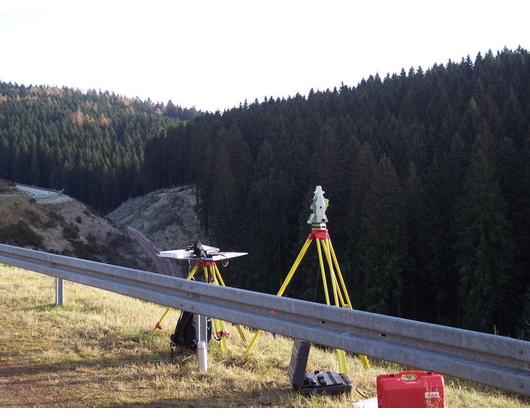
x=38, y=188
x=500, y=362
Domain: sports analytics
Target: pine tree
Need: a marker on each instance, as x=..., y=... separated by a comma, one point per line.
x=225, y=223
x=359, y=178
x=485, y=248
x=4, y=151
x=524, y=322
x=415, y=284
x=34, y=169
x=384, y=242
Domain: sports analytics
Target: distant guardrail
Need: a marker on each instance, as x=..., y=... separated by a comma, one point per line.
x=496, y=361
x=39, y=188
x=37, y=191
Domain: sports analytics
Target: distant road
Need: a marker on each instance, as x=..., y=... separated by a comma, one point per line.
x=38, y=192
x=164, y=266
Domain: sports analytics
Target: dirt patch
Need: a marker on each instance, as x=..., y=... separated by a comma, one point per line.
x=54, y=200
x=167, y=217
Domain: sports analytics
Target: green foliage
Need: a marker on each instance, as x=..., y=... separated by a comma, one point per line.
x=91, y=145
x=20, y=234
x=485, y=250
x=427, y=175
x=384, y=242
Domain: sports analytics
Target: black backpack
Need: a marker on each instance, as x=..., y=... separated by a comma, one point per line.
x=184, y=336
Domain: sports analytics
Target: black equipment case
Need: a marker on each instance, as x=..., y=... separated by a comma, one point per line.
x=330, y=383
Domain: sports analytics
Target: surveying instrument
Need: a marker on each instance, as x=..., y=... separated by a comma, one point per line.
x=205, y=256
x=320, y=233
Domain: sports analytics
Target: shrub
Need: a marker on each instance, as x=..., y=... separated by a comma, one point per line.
x=20, y=234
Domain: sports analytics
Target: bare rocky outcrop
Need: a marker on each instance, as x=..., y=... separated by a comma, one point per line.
x=166, y=217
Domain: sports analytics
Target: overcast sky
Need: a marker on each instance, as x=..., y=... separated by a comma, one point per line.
x=214, y=55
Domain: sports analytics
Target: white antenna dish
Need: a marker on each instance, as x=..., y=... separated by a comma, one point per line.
x=204, y=253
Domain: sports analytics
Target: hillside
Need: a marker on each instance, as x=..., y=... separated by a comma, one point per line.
x=63, y=225
x=166, y=217
x=88, y=143
x=427, y=173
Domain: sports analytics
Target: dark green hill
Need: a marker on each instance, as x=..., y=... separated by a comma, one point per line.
x=428, y=177
x=89, y=144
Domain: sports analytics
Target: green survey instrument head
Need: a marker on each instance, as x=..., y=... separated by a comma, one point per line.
x=319, y=204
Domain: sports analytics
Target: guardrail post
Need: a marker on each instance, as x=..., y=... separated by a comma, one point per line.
x=58, y=291
x=201, y=333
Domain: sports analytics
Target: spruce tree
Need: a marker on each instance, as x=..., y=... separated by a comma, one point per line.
x=484, y=247
x=384, y=242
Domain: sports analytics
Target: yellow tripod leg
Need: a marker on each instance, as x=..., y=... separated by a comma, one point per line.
x=331, y=272
x=157, y=327
x=337, y=293
x=323, y=272
x=251, y=345
x=341, y=355
x=342, y=283
x=219, y=328
x=239, y=328
x=294, y=267
x=219, y=278
x=364, y=359
x=282, y=288
x=219, y=324
x=159, y=323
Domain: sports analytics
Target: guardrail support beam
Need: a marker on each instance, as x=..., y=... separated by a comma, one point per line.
x=59, y=291
x=201, y=336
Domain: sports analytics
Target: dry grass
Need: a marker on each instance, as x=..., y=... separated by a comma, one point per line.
x=96, y=351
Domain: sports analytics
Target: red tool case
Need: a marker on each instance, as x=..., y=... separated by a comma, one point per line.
x=412, y=389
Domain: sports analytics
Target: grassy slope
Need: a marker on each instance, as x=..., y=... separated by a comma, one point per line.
x=95, y=351
x=62, y=225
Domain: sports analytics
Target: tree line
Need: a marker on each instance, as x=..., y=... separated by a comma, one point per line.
x=427, y=173
x=428, y=177
x=89, y=144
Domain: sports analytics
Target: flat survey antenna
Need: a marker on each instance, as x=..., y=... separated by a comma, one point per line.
x=210, y=254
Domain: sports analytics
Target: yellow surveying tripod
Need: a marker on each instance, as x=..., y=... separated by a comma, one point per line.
x=211, y=275
x=340, y=294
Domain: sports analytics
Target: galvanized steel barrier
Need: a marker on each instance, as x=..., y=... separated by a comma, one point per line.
x=492, y=360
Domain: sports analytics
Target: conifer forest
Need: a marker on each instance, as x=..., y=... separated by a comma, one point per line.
x=427, y=173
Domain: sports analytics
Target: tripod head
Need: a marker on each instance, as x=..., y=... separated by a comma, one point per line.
x=319, y=204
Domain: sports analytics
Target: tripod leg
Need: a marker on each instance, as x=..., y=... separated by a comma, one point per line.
x=241, y=333
x=159, y=323
x=239, y=328
x=336, y=289
x=219, y=324
x=323, y=271
x=331, y=271
x=251, y=345
x=294, y=267
x=218, y=273
x=282, y=288
x=343, y=284
x=364, y=359
x=341, y=355
x=192, y=273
